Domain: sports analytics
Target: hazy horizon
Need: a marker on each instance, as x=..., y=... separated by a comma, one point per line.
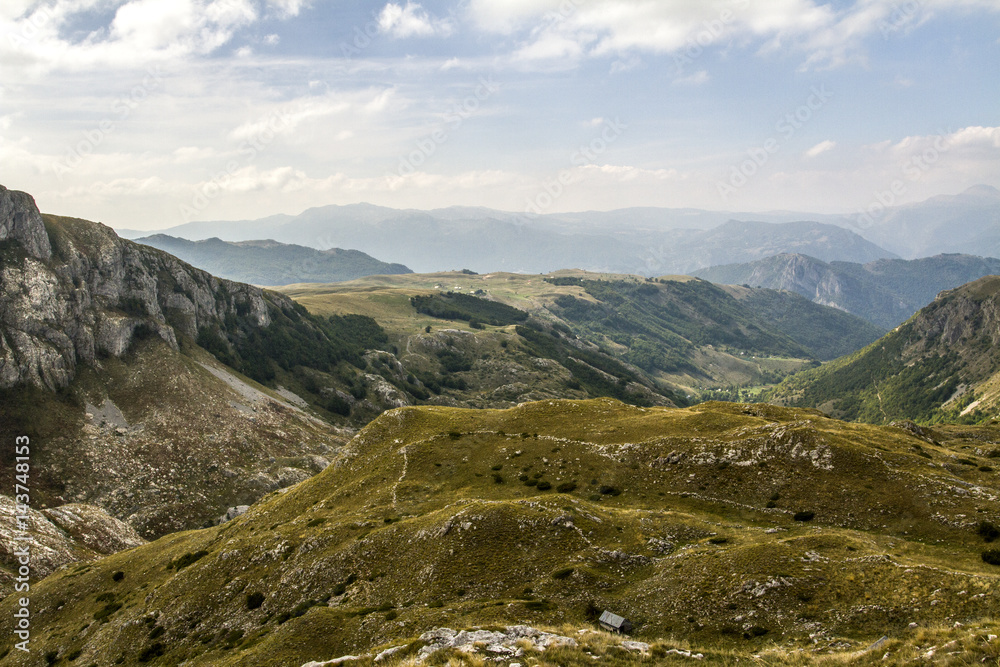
x=149, y=113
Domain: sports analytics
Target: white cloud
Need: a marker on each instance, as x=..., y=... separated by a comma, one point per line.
x=622, y=173
x=14, y=9
x=551, y=46
x=910, y=169
x=287, y=8
x=187, y=154
x=821, y=148
x=826, y=35
x=698, y=78
x=412, y=20
x=626, y=63
x=272, y=40
x=141, y=32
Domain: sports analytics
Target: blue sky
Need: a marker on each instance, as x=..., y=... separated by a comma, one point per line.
x=151, y=113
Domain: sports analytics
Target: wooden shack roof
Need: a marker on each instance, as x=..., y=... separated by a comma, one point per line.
x=614, y=620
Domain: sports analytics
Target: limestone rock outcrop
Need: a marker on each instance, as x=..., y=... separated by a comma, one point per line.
x=72, y=291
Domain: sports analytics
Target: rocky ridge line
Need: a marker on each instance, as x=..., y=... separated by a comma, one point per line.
x=74, y=292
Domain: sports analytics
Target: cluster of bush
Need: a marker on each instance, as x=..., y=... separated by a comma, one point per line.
x=466, y=308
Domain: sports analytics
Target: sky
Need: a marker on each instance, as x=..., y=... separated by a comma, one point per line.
x=146, y=114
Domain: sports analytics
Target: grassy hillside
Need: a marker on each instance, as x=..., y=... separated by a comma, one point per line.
x=730, y=529
x=681, y=333
x=942, y=365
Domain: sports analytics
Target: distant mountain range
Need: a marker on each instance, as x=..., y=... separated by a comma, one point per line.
x=495, y=241
x=643, y=241
x=272, y=263
x=885, y=292
x=944, y=364
x=965, y=223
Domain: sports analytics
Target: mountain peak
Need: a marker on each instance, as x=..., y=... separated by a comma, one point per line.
x=21, y=221
x=983, y=190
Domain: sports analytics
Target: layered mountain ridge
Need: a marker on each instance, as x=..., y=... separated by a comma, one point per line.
x=943, y=364
x=886, y=292
x=628, y=242
x=268, y=262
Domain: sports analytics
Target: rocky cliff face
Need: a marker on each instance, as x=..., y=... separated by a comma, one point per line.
x=72, y=291
x=59, y=536
x=146, y=425
x=20, y=221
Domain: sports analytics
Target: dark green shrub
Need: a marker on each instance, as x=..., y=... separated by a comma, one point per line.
x=544, y=485
x=566, y=487
x=302, y=607
x=118, y=576
x=610, y=491
x=992, y=556
x=152, y=651
x=232, y=637
x=562, y=573
x=804, y=516
x=531, y=482
x=318, y=521
x=337, y=405
x=497, y=478
x=987, y=531
x=104, y=612
x=718, y=540
x=74, y=655
x=539, y=605
x=255, y=600
x=187, y=559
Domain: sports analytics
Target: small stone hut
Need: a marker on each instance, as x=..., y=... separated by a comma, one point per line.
x=615, y=623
